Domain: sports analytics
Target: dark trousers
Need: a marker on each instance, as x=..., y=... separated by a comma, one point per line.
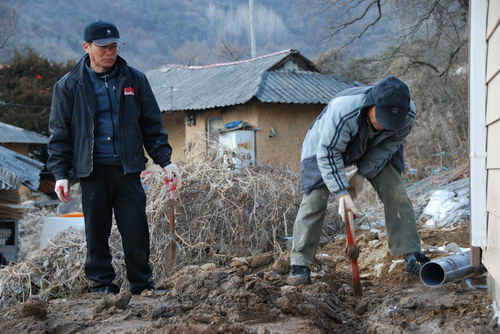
x=109, y=190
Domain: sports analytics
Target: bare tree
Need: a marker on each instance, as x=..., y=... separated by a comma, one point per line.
x=427, y=48
x=193, y=54
x=227, y=51
x=8, y=23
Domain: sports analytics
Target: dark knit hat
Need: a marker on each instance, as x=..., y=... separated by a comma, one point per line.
x=392, y=103
x=101, y=33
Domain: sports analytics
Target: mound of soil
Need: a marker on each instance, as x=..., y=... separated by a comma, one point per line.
x=250, y=296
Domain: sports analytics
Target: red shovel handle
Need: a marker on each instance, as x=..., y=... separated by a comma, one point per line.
x=353, y=253
x=170, y=183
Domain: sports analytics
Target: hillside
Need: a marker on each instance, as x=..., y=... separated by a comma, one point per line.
x=186, y=32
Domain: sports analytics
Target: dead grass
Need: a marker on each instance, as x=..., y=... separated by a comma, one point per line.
x=220, y=213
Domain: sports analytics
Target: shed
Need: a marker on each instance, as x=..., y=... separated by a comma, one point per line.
x=277, y=95
x=15, y=170
x=18, y=139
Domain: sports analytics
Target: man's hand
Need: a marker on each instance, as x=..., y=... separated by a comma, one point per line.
x=356, y=185
x=173, y=174
x=62, y=190
x=347, y=204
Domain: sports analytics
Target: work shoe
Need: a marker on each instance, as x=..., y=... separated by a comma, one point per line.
x=106, y=289
x=299, y=275
x=414, y=262
x=137, y=290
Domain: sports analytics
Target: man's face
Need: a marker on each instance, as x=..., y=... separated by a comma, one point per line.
x=102, y=58
x=373, y=119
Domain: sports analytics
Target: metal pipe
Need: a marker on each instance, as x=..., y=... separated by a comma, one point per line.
x=436, y=273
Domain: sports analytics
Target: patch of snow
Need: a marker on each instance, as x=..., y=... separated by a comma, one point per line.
x=496, y=311
x=447, y=207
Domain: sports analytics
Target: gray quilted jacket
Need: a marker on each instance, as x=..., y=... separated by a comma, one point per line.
x=337, y=139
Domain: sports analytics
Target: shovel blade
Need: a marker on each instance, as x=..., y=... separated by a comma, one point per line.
x=171, y=250
x=356, y=282
x=171, y=255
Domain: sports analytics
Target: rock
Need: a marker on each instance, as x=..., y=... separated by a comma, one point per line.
x=452, y=247
x=289, y=288
x=239, y=261
x=181, y=283
x=34, y=307
x=361, y=308
x=378, y=269
x=326, y=259
x=262, y=260
x=272, y=276
x=281, y=266
x=242, y=271
x=413, y=326
x=263, y=330
x=234, y=282
x=208, y=266
x=119, y=301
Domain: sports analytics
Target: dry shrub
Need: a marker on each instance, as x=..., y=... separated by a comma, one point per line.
x=220, y=212
x=52, y=272
x=223, y=212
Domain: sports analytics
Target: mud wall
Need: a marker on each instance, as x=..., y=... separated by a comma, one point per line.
x=281, y=129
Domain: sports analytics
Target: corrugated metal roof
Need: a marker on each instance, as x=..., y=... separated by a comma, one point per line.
x=13, y=134
x=16, y=169
x=300, y=87
x=205, y=87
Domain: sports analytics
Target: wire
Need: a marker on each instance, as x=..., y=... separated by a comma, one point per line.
x=22, y=105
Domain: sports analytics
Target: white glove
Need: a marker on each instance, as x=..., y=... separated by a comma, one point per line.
x=173, y=174
x=62, y=190
x=356, y=185
x=347, y=204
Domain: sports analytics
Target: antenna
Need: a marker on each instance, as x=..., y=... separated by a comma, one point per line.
x=252, y=35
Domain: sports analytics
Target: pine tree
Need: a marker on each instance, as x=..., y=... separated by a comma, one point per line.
x=26, y=89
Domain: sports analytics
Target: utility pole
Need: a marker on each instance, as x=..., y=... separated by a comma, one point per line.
x=252, y=35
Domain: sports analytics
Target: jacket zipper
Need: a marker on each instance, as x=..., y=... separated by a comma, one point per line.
x=119, y=87
x=93, y=127
x=111, y=115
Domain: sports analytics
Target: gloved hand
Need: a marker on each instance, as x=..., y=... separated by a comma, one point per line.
x=356, y=185
x=62, y=190
x=172, y=176
x=347, y=204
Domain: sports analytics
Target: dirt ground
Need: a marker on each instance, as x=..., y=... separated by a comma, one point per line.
x=249, y=295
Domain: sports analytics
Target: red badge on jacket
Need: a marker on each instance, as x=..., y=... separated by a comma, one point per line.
x=128, y=90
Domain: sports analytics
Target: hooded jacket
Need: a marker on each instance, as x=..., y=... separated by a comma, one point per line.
x=72, y=123
x=338, y=138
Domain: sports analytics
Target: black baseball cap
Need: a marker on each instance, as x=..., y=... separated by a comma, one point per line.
x=101, y=33
x=392, y=103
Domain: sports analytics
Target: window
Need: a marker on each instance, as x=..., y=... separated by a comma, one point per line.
x=213, y=126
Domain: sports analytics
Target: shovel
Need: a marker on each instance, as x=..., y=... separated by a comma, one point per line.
x=172, y=249
x=352, y=253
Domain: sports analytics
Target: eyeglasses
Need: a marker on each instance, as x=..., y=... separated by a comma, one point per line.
x=110, y=47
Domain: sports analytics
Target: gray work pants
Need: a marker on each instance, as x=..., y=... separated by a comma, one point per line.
x=400, y=220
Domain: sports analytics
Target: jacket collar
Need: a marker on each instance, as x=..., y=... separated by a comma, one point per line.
x=79, y=71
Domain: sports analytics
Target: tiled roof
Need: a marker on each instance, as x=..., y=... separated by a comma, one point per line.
x=13, y=134
x=16, y=169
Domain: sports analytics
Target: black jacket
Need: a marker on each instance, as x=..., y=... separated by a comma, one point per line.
x=73, y=115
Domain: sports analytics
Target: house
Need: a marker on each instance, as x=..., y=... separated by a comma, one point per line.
x=484, y=109
x=276, y=97
x=15, y=170
x=19, y=140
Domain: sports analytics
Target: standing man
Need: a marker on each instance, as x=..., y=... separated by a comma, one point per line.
x=365, y=126
x=103, y=114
